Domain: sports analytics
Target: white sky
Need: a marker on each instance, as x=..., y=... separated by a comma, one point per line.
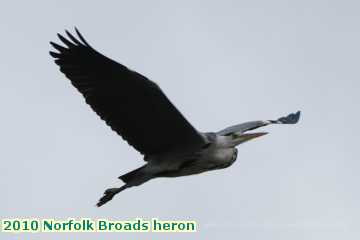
x=221, y=63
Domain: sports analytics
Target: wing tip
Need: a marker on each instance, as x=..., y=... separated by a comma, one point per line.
x=82, y=39
x=54, y=54
x=69, y=42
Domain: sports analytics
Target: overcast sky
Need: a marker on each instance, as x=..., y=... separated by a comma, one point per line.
x=221, y=63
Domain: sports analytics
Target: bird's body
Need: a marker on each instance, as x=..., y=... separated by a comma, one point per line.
x=137, y=109
x=216, y=154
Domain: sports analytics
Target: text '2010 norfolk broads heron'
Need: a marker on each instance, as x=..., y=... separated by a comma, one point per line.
x=137, y=109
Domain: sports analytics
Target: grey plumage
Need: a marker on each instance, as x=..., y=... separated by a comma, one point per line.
x=137, y=109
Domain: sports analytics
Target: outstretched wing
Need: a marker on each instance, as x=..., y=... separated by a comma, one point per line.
x=128, y=102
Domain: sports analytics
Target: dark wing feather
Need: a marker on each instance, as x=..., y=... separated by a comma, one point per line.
x=131, y=104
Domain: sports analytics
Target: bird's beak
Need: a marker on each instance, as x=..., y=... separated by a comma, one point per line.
x=249, y=136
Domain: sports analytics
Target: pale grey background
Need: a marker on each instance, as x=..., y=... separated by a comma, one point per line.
x=221, y=62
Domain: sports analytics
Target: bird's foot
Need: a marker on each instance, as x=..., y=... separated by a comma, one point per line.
x=109, y=194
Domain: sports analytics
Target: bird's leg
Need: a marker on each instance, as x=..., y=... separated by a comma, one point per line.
x=110, y=193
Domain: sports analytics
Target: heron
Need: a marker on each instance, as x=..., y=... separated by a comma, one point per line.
x=138, y=110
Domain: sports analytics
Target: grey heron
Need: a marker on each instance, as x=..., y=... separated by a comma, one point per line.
x=137, y=109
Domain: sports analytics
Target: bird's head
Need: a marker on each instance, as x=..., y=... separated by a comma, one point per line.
x=236, y=138
x=240, y=133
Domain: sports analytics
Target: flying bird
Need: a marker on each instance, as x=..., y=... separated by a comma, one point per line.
x=139, y=111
